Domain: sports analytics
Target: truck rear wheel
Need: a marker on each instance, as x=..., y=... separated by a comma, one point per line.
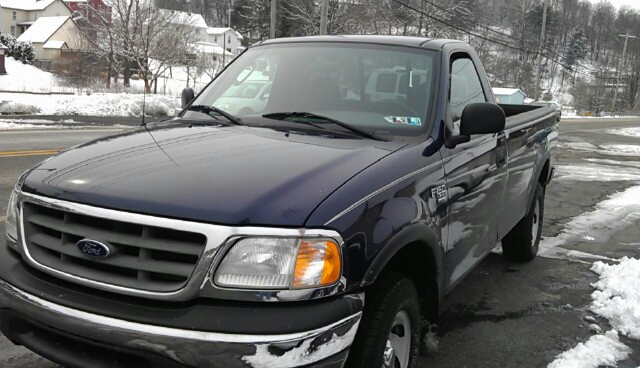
x=521, y=243
x=389, y=333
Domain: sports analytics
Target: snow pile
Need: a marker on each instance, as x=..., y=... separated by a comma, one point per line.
x=99, y=104
x=10, y=107
x=599, y=350
x=617, y=297
x=27, y=78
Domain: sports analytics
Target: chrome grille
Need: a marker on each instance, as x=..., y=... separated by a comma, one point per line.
x=142, y=257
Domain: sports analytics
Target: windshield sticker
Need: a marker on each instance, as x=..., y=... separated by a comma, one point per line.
x=404, y=120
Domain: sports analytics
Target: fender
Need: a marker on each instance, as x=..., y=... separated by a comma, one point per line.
x=413, y=233
x=534, y=180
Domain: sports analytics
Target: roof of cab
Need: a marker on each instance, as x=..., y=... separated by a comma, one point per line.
x=374, y=39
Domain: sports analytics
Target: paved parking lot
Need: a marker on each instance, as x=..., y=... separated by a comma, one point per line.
x=503, y=314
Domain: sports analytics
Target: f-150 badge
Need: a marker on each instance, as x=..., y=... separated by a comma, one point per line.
x=439, y=193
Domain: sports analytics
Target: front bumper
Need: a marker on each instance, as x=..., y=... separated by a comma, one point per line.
x=77, y=338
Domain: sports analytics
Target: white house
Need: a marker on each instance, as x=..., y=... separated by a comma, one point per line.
x=509, y=96
x=18, y=15
x=51, y=35
x=227, y=38
x=192, y=20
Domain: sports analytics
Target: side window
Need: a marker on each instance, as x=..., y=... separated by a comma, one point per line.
x=465, y=86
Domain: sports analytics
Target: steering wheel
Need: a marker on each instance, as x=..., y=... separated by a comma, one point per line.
x=392, y=107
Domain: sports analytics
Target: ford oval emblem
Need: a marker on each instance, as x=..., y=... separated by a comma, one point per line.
x=93, y=248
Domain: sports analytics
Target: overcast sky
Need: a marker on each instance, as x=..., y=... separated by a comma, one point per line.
x=618, y=3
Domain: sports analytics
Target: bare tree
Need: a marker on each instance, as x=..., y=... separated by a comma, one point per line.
x=142, y=36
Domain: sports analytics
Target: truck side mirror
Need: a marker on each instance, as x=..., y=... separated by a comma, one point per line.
x=187, y=97
x=482, y=118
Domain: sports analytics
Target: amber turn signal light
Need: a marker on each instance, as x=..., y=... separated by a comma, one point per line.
x=319, y=263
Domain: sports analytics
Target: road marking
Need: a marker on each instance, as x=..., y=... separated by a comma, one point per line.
x=48, y=152
x=2, y=218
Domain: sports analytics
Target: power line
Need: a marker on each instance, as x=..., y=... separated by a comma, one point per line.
x=486, y=38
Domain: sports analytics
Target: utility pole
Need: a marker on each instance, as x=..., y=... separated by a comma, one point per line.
x=542, y=37
x=324, y=14
x=274, y=7
x=624, y=53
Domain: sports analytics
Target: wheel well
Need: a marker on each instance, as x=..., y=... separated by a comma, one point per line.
x=416, y=262
x=544, y=175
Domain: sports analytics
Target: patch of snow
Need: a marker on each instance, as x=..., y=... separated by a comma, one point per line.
x=599, y=350
x=614, y=162
x=595, y=328
x=627, y=132
x=4, y=125
x=596, y=173
x=621, y=210
x=303, y=354
x=606, y=149
x=617, y=297
x=621, y=149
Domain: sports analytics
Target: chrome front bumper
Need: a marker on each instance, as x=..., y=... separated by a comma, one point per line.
x=188, y=347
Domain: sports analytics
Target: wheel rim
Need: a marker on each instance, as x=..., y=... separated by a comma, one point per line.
x=536, y=223
x=398, y=348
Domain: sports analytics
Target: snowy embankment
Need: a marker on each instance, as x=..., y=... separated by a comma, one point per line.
x=34, y=91
x=617, y=294
x=98, y=104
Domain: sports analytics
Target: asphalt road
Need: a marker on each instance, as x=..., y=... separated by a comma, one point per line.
x=503, y=314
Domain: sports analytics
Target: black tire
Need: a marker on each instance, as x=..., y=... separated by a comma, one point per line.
x=391, y=295
x=520, y=244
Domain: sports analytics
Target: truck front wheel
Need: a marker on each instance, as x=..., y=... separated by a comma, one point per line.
x=521, y=243
x=389, y=332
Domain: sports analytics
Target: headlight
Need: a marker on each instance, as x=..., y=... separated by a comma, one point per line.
x=280, y=263
x=11, y=224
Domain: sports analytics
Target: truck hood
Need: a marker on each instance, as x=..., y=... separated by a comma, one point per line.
x=218, y=174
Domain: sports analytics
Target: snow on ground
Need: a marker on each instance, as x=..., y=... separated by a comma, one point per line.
x=628, y=132
x=95, y=101
x=14, y=126
x=98, y=104
x=594, y=172
x=617, y=297
x=599, y=350
x=621, y=210
x=606, y=149
x=22, y=77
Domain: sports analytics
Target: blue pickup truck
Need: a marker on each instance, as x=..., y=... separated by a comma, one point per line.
x=318, y=228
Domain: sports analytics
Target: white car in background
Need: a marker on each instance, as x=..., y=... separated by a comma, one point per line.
x=247, y=98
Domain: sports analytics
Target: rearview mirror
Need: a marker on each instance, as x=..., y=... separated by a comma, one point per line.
x=482, y=118
x=187, y=97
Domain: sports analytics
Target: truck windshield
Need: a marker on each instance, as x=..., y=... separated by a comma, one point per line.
x=385, y=90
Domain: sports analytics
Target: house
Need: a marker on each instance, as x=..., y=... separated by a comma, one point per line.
x=91, y=10
x=51, y=36
x=509, y=96
x=18, y=15
x=192, y=20
x=229, y=39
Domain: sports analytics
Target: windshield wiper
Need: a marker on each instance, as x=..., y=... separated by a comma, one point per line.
x=212, y=109
x=309, y=115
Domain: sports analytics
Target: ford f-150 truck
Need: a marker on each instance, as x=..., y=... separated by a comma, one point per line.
x=317, y=229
